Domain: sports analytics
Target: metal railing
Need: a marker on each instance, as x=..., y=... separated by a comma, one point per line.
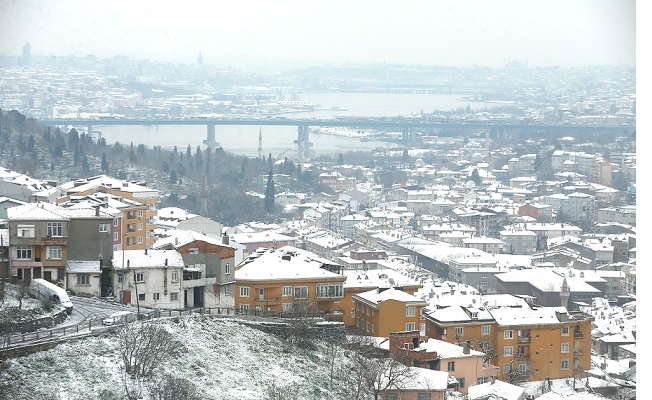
x=86, y=327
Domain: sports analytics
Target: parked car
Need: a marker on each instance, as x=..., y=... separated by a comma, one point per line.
x=115, y=318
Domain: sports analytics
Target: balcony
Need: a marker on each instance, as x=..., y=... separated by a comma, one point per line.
x=523, y=339
x=578, y=334
x=578, y=352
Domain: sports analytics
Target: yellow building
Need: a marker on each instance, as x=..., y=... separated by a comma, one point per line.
x=359, y=281
x=288, y=280
x=381, y=311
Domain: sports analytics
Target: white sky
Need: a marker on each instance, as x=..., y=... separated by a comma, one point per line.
x=251, y=33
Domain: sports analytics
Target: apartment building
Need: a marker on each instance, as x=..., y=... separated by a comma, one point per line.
x=380, y=311
x=138, y=221
x=288, y=280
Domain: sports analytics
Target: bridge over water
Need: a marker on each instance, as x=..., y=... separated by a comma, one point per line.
x=408, y=126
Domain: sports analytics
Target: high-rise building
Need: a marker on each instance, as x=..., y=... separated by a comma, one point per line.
x=27, y=54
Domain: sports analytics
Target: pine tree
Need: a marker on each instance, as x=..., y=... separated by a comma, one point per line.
x=105, y=164
x=269, y=194
x=84, y=165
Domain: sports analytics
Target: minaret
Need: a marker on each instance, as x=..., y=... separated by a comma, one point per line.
x=260, y=144
x=564, y=295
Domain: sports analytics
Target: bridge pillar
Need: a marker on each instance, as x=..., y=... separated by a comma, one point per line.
x=210, y=137
x=303, y=142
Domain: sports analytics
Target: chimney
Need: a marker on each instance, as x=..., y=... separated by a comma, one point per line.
x=97, y=211
x=166, y=262
x=225, y=239
x=145, y=250
x=467, y=347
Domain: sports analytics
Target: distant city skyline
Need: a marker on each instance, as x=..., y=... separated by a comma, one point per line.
x=259, y=35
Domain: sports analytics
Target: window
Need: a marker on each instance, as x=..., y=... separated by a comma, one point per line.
x=485, y=275
x=564, y=364
x=104, y=228
x=459, y=331
x=244, y=291
x=53, y=253
x=192, y=250
x=140, y=213
x=484, y=283
x=115, y=236
x=26, y=231
x=522, y=368
x=482, y=380
x=509, y=334
x=565, y=331
x=156, y=296
x=451, y=365
x=140, y=277
x=140, y=228
x=423, y=396
x=287, y=290
x=391, y=396
x=326, y=290
x=244, y=309
x=444, y=332
x=507, y=368
x=409, y=326
x=83, y=279
x=486, y=330
x=24, y=252
x=409, y=311
x=565, y=348
x=422, y=329
x=55, y=229
x=120, y=277
x=461, y=382
x=227, y=269
x=140, y=239
x=301, y=292
x=508, y=351
x=115, y=222
x=141, y=296
x=174, y=296
x=367, y=326
x=287, y=307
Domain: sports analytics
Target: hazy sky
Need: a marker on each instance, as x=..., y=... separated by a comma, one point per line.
x=248, y=34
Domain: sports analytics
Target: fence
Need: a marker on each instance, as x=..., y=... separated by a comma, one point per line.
x=13, y=340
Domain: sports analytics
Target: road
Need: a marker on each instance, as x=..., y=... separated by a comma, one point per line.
x=91, y=308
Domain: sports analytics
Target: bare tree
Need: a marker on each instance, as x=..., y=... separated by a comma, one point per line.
x=375, y=372
x=143, y=347
x=169, y=387
x=23, y=291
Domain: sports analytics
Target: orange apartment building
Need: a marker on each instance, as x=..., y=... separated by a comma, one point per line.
x=526, y=342
x=287, y=280
x=138, y=221
x=381, y=311
x=359, y=281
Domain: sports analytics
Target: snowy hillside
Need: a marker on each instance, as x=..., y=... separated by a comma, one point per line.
x=222, y=358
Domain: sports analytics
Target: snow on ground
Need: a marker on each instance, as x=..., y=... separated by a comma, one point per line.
x=11, y=299
x=222, y=358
